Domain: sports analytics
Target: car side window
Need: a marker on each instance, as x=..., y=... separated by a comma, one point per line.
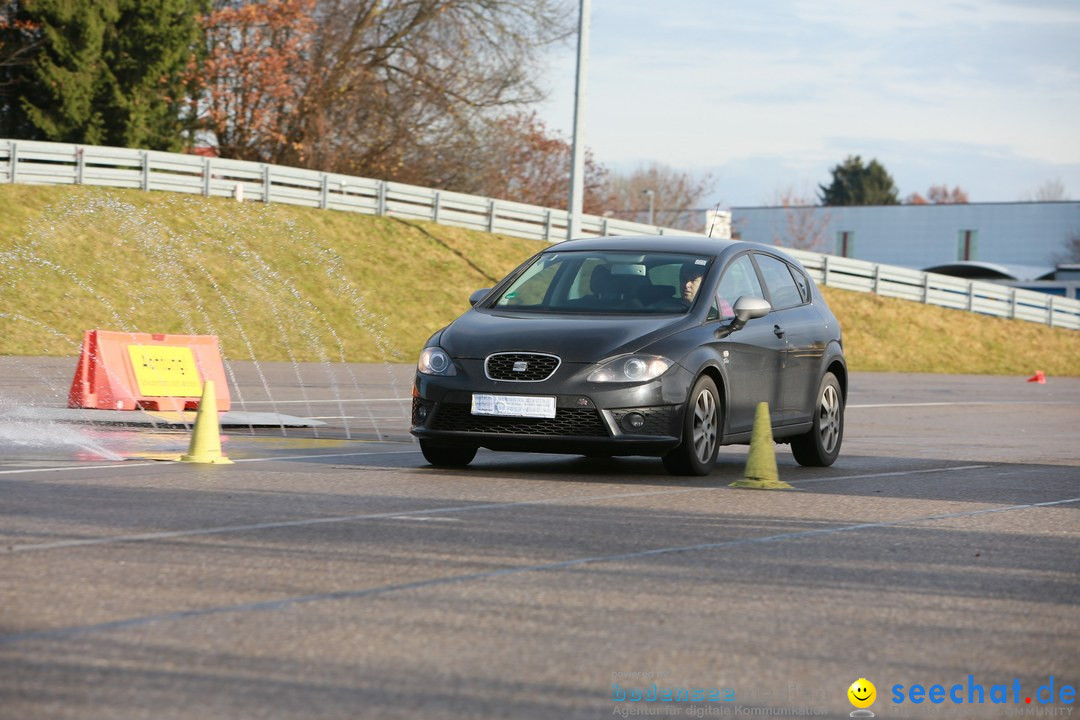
x=739, y=279
x=802, y=281
x=783, y=292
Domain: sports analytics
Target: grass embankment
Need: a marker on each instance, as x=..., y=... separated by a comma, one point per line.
x=280, y=282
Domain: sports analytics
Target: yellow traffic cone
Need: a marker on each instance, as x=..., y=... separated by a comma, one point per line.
x=761, y=472
x=205, y=444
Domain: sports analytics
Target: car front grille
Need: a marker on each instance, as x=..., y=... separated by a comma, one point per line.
x=520, y=367
x=578, y=422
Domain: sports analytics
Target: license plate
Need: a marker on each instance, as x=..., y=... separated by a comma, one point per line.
x=513, y=406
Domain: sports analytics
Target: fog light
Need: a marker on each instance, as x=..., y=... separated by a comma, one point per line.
x=633, y=421
x=422, y=413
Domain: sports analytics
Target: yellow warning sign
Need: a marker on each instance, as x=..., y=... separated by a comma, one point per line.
x=165, y=371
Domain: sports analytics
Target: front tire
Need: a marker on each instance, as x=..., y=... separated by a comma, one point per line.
x=447, y=455
x=821, y=446
x=696, y=455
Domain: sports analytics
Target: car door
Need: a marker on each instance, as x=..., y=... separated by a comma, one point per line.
x=795, y=322
x=751, y=355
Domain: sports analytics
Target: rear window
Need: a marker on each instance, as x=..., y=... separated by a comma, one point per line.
x=783, y=292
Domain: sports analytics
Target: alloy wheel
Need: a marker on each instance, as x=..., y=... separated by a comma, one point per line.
x=829, y=418
x=705, y=426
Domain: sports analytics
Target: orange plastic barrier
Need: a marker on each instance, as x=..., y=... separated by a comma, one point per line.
x=126, y=371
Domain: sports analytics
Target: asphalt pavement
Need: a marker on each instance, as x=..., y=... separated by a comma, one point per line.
x=331, y=573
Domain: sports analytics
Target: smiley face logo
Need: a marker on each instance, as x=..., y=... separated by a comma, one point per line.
x=862, y=693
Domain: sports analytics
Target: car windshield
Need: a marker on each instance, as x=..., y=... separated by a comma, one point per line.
x=607, y=283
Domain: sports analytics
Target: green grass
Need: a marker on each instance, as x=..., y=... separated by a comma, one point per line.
x=285, y=283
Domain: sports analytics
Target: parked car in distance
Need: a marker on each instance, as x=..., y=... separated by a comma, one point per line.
x=660, y=346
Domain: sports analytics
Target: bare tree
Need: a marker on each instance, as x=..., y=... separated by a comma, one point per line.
x=1049, y=191
x=676, y=196
x=805, y=222
x=1072, y=250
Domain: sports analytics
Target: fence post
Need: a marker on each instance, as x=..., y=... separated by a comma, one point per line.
x=825, y=270
x=926, y=287
x=491, y=216
x=324, y=191
x=1050, y=312
x=877, y=278
x=436, y=205
x=80, y=164
x=13, y=159
x=547, y=226
x=604, y=228
x=206, y=177
x=266, y=183
x=1012, y=310
x=971, y=295
x=380, y=207
x=145, y=170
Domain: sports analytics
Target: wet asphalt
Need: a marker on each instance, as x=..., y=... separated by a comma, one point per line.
x=332, y=573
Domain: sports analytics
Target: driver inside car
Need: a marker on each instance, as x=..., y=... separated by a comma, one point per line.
x=690, y=281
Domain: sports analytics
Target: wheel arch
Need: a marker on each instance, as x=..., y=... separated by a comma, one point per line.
x=720, y=380
x=837, y=368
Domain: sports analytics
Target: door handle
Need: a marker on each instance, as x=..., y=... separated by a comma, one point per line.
x=778, y=331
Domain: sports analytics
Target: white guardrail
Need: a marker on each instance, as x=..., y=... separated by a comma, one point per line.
x=31, y=162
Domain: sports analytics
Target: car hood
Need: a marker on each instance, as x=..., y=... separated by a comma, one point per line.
x=574, y=338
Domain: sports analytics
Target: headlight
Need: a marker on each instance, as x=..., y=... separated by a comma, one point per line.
x=435, y=361
x=632, y=368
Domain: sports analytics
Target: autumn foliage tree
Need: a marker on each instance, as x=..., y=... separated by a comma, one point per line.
x=939, y=195
x=517, y=157
x=253, y=79
x=382, y=88
x=19, y=38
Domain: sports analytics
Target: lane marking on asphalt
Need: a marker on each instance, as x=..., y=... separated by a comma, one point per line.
x=128, y=464
x=321, y=401
x=961, y=402
x=60, y=468
x=284, y=603
x=425, y=513
x=887, y=474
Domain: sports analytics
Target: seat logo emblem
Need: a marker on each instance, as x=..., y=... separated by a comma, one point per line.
x=520, y=366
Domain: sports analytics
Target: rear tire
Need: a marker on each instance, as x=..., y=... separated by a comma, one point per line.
x=447, y=455
x=696, y=455
x=821, y=446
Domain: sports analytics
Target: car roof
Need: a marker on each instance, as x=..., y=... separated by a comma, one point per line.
x=690, y=244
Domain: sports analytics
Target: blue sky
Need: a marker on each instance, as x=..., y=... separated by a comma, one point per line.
x=770, y=95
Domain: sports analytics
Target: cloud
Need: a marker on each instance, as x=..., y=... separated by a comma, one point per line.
x=695, y=83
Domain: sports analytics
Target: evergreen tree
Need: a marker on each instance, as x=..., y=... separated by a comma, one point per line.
x=856, y=184
x=107, y=72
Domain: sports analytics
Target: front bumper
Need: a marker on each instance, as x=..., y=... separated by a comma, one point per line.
x=590, y=418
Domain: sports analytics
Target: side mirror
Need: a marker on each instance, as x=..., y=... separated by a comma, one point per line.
x=749, y=307
x=746, y=309
x=478, y=296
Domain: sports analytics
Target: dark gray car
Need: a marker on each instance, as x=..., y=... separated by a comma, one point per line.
x=659, y=346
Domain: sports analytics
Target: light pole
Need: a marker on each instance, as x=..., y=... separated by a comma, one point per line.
x=652, y=205
x=577, y=164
